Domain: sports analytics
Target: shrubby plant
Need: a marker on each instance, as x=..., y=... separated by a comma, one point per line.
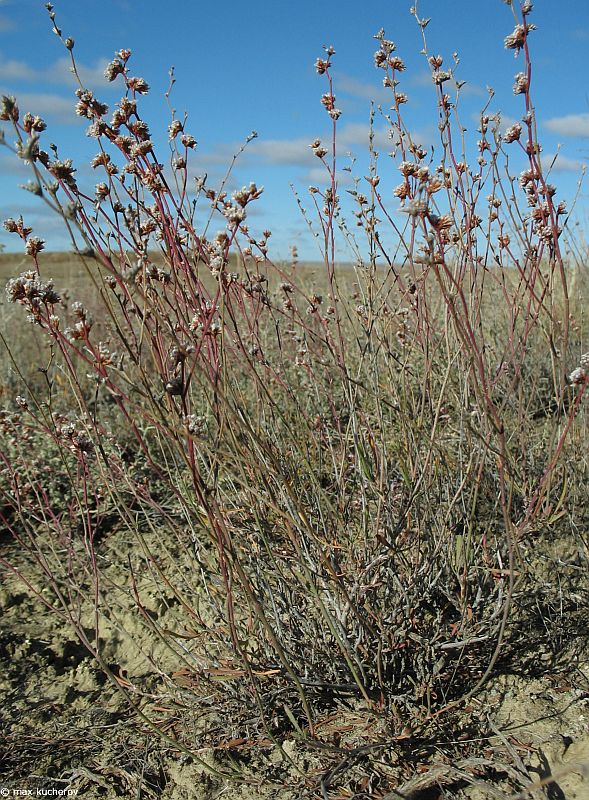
x=332, y=488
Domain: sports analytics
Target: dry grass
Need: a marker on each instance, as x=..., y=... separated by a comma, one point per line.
x=316, y=500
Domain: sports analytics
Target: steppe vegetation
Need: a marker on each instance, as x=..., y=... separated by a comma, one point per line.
x=296, y=530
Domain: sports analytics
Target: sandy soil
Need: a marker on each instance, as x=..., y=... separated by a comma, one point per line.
x=66, y=727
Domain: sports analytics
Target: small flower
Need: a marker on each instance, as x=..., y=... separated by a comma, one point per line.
x=440, y=76
x=247, y=193
x=440, y=223
x=115, y=68
x=578, y=376
x=78, y=441
x=397, y=64
x=17, y=226
x=102, y=191
x=141, y=148
x=128, y=107
x=87, y=105
x=31, y=123
x=521, y=83
x=174, y=129
x=29, y=291
x=79, y=310
x=195, y=425
x=138, y=85
x=188, y=141
x=407, y=168
x=63, y=171
x=234, y=215
x=516, y=40
x=328, y=101
x=140, y=129
x=527, y=177
x=513, y=133
x=8, y=108
x=96, y=129
x=34, y=246
x=124, y=143
x=434, y=186
x=380, y=58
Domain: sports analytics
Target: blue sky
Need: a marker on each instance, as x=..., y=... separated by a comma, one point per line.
x=250, y=66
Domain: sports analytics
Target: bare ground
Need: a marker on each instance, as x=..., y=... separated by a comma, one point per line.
x=65, y=726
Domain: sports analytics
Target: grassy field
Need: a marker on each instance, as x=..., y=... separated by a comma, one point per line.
x=287, y=530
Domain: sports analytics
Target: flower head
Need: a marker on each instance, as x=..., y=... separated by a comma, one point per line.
x=8, y=108
x=578, y=376
x=521, y=83
x=513, y=133
x=517, y=39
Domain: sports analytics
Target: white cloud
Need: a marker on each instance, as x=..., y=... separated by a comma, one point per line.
x=347, y=84
x=17, y=71
x=13, y=165
x=283, y=151
x=424, y=79
x=505, y=121
x=570, y=125
x=58, y=73
x=351, y=137
x=556, y=162
x=51, y=107
x=298, y=153
x=355, y=134
x=471, y=89
x=318, y=176
x=90, y=74
x=45, y=223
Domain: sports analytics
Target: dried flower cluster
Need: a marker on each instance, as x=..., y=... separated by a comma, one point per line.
x=34, y=294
